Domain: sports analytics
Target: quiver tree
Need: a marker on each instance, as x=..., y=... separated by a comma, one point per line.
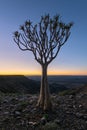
x=44, y=40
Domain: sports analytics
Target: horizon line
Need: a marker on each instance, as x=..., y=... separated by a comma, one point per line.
x=40, y=75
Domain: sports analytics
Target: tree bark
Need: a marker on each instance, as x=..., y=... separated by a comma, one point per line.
x=44, y=100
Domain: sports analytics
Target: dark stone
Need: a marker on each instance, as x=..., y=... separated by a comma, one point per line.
x=43, y=121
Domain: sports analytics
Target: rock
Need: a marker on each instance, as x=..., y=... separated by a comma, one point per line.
x=43, y=121
x=17, y=113
x=79, y=115
x=80, y=106
x=69, y=112
x=57, y=121
x=33, y=110
x=74, y=106
x=85, y=116
x=71, y=96
x=5, y=101
x=70, y=106
x=6, y=113
x=33, y=124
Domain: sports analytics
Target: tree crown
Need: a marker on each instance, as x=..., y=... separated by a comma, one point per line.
x=44, y=39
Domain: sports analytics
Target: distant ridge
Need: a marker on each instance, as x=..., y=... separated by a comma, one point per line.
x=22, y=84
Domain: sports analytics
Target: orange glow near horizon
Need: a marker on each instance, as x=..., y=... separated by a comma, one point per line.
x=20, y=73
x=50, y=72
x=67, y=73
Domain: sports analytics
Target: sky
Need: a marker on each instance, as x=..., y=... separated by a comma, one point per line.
x=72, y=58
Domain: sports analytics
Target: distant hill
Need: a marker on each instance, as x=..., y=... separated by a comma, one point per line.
x=22, y=84
x=17, y=84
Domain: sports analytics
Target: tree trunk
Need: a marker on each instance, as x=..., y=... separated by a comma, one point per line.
x=44, y=99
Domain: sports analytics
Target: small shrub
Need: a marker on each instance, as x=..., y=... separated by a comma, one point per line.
x=67, y=92
x=24, y=103
x=51, y=126
x=46, y=116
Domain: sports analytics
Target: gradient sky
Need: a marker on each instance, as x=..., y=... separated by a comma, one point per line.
x=72, y=58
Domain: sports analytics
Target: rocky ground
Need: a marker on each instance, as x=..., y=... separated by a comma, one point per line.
x=19, y=112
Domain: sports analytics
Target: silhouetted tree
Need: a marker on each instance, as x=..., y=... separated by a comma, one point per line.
x=44, y=40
